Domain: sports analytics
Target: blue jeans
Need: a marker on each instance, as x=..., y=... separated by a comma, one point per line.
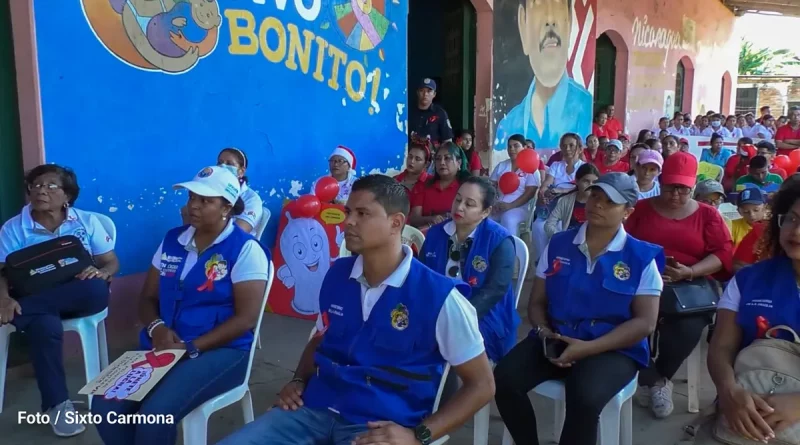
x=189, y=384
x=305, y=426
x=41, y=322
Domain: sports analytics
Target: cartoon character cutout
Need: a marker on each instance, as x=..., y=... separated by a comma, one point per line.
x=216, y=268
x=166, y=35
x=305, y=248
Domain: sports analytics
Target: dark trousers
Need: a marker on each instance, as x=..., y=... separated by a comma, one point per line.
x=589, y=385
x=41, y=322
x=676, y=338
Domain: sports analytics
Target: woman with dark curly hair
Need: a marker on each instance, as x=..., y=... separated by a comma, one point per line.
x=52, y=191
x=747, y=307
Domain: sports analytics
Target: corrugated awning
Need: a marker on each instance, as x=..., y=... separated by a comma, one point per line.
x=784, y=7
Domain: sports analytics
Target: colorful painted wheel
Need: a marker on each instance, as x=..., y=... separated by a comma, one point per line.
x=362, y=22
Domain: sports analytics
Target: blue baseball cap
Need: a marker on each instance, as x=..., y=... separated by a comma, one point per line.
x=751, y=195
x=428, y=83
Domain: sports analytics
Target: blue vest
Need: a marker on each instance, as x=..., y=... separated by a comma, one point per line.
x=204, y=299
x=389, y=367
x=768, y=289
x=588, y=306
x=499, y=325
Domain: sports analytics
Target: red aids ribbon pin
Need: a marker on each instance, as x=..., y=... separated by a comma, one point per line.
x=208, y=285
x=556, y=268
x=155, y=361
x=763, y=326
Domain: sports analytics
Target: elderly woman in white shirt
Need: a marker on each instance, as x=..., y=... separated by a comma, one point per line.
x=512, y=209
x=52, y=191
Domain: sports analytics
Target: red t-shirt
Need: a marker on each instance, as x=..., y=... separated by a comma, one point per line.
x=422, y=178
x=734, y=170
x=432, y=199
x=689, y=240
x=618, y=167
x=541, y=165
x=602, y=131
x=474, y=161
x=596, y=160
x=745, y=251
x=784, y=133
x=613, y=127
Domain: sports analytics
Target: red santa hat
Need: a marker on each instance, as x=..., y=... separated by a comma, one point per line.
x=347, y=154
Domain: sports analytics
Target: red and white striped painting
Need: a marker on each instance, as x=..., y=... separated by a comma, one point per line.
x=582, y=42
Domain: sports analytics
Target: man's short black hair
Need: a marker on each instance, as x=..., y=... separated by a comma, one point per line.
x=524, y=4
x=390, y=194
x=758, y=162
x=768, y=145
x=69, y=180
x=745, y=140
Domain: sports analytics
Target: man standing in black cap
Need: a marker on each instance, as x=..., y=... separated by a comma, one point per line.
x=428, y=119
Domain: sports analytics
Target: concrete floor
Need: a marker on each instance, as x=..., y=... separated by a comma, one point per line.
x=283, y=339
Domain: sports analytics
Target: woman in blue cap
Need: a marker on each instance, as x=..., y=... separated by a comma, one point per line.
x=203, y=294
x=593, y=305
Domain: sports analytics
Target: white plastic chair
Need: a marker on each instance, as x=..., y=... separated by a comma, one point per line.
x=480, y=429
x=262, y=224
x=439, y=392
x=616, y=419
x=195, y=424
x=694, y=365
x=5, y=333
x=411, y=237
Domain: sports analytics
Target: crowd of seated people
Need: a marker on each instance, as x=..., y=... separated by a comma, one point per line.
x=614, y=226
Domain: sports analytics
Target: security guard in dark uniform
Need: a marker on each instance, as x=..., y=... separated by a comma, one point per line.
x=428, y=119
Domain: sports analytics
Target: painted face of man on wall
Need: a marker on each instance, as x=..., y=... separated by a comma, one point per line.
x=544, y=27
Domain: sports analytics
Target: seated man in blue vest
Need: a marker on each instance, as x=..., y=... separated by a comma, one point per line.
x=388, y=326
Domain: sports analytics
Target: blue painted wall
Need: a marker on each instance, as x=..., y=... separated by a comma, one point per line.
x=131, y=130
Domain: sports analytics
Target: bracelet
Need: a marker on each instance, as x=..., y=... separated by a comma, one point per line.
x=691, y=273
x=153, y=325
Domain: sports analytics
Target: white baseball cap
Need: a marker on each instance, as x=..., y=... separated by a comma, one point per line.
x=214, y=182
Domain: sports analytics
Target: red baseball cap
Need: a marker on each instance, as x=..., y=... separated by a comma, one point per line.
x=679, y=169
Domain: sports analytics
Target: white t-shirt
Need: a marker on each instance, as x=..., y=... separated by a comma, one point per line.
x=731, y=135
x=457, y=332
x=562, y=179
x=655, y=191
x=251, y=265
x=683, y=131
x=708, y=131
x=253, y=208
x=754, y=131
x=525, y=180
x=650, y=283
x=22, y=231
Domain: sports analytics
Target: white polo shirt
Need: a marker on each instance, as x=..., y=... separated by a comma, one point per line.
x=253, y=208
x=683, y=131
x=650, y=282
x=22, y=231
x=525, y=180
x=251, y=265
x=457, y=332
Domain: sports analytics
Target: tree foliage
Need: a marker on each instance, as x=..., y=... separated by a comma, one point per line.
x=765, y=60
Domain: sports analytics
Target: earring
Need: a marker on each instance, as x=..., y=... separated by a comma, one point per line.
x=66, y=205
x=224, y=217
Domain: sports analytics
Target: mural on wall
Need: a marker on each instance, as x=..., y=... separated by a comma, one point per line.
x=543, y=69
x=163, y=85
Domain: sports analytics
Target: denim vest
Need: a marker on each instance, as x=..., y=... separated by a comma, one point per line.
x=588, y=306
x=499, y=326
x=204, y=299
x=389, y=367
x=768, y=289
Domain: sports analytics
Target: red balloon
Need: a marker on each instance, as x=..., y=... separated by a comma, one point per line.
x=783, y=161
x=794, y=156
x=307, y=206
x=508, y=183
x=528, y=160
x=327, y=188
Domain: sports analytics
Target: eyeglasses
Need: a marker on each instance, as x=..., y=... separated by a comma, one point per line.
x=444, y=159
x=679, y=189
x=788, y=221
x=713, y=202
x=47, y=187
x=337, y=161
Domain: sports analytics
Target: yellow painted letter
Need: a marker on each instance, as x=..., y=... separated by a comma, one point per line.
x=355, y=94
x=242, y=26
x=298, y=49
x=277, y=54
x=339, y=58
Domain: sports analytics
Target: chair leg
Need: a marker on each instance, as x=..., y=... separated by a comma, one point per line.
x=507, y=437
x=258, y=341
x=693, y=365
x=480, y=429
x=247, y=407
x=560, y=413
x=91, y=356
x=103, y=344
x=609, y=425
x=4, y=337
x=626, y=423
x=195, y=429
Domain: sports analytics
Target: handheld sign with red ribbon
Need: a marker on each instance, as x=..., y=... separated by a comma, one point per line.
x=133, y=375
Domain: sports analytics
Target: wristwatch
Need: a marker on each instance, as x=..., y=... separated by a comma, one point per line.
x=192, y=350
x=422, y=434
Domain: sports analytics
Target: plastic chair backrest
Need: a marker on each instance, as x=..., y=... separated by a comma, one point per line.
x=413, y=237
x=707, y=170
x=441, y=383
x=730, y=211
x=262, y=223
x=522, y=258
x=257, y=330
x=108, y=224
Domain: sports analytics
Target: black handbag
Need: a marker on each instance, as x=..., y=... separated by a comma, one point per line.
x=697, y=296
x=45, y=265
